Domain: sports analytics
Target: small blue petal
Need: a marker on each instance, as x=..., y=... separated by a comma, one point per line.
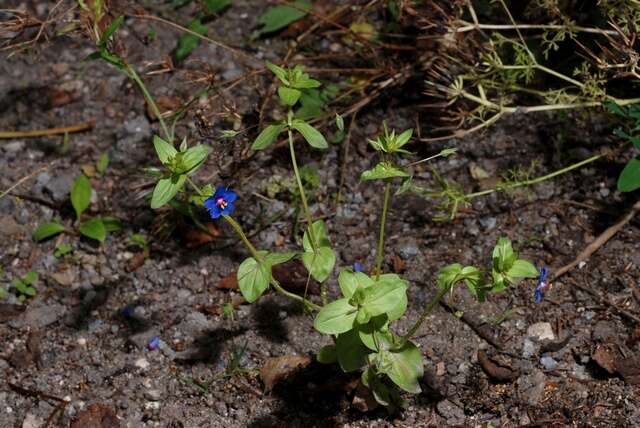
x=220, y=191
x=357, y=267
x=230, y=196
x=215, y=212
x=228, y=209
x=210, y=203
x=538, y=296
x=153, y=343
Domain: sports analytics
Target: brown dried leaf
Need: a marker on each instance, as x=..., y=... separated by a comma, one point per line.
x=229, y=282
x=277, y=369
x=498, y=370
x=606, y=357
x=629, y=369
x=96, y=416
x=197, y=237
x=399, y=265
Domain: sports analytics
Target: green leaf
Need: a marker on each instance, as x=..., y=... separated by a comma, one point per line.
x=81, y=195
x=278, y=258
x=289, y=96
x=253, y=277
x=448, y=275
x=165, y=150
x=503, y=255
x=319, y=262
x=352, y=354
x=327, y=354
x=94, y=229
x=387, y=296
x=166, y=189
x=407, y=185
x=378, y=388
x=279, y=17
x=406, y=367
x=62, y=250
x=311, y=134
x=280, y=72
x=402, y=139
x=523, y=269
x=194, y=157
x=339, y=122
x=336, y=317
x=103, y=163
x=115, y=24
x=377, y=326
x=267, y=136
x=47, y=230
x=350, y=281
x=30, y=278
x=629, y=179
x=320, y=233
x=215, y=6
x=382, y=171
x=112, y=224
x=188, y=42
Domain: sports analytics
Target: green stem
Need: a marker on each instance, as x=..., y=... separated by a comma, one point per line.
x=134, y=76
x=254, y=253
x=195, y=186
x=535, y=180
x=425, y=314
x=383, y=220
x=303, y=196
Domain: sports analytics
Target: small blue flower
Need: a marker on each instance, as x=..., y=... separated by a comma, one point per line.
x=153, y=343
x=357, y=267
x=542, y=286
x=221, y=203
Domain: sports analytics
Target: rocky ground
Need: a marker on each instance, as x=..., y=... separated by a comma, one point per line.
x=83, y=341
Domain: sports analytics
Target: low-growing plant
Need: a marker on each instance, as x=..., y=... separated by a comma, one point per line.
x=360, y=321
x=25, y=287
x=629, y=179
x=95, y=228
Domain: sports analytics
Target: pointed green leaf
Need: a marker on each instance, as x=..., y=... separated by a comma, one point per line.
x=280, y=72
x=194, y=157
x=629, y=179
x=267, y=136
x=336, y=317
x=523, y=269
x=310, y=134
x=383, y=171
x=164, y=150
x=115, y=24
x=320, y=233
x=81, y=195
x=102, y=163
x=94, y=229
x=166, y=189
x=253, y=278
x=278, y=258
x=279, y=17
x=47, y=230
x=289, y=96
x=319, y=262
x=386, y=296
x=188, y=42
x=503, y=255
x=350, y=281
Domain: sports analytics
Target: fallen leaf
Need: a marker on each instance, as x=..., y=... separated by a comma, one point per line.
x=278, y=369
x=229, y=282
x=96, y=416
x=59, y=97
x=629, y=369
x=399, y=265
x=477, y=172
x=606, y=356
x=136, y=261
x=497, y=368
x=89, y=170
x=197, y=237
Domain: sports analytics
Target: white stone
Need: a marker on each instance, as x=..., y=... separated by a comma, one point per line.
x=143, y=363
x=541, y=331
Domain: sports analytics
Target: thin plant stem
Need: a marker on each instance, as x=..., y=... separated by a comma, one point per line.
x=535, y=180
x=303, y=196
x=238, y=229
x=47, y=132
x=425, y=314
x=154, y=107
x=383, y=220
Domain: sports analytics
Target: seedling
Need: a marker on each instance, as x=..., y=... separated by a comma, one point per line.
x=25, y=286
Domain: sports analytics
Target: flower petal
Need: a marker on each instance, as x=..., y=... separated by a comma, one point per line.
x=215, y=212
x=230, y=196
x=220, y=191
x=228, y=209
x=210, y=203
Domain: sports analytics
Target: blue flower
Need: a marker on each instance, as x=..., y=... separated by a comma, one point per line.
x=542, y=286
x=153, y=343
x=221, y=203
x=357, y=267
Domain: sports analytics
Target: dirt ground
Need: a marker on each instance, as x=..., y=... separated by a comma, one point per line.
x=84, y=337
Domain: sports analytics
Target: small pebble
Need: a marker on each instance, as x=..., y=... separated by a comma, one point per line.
x=141, y=363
